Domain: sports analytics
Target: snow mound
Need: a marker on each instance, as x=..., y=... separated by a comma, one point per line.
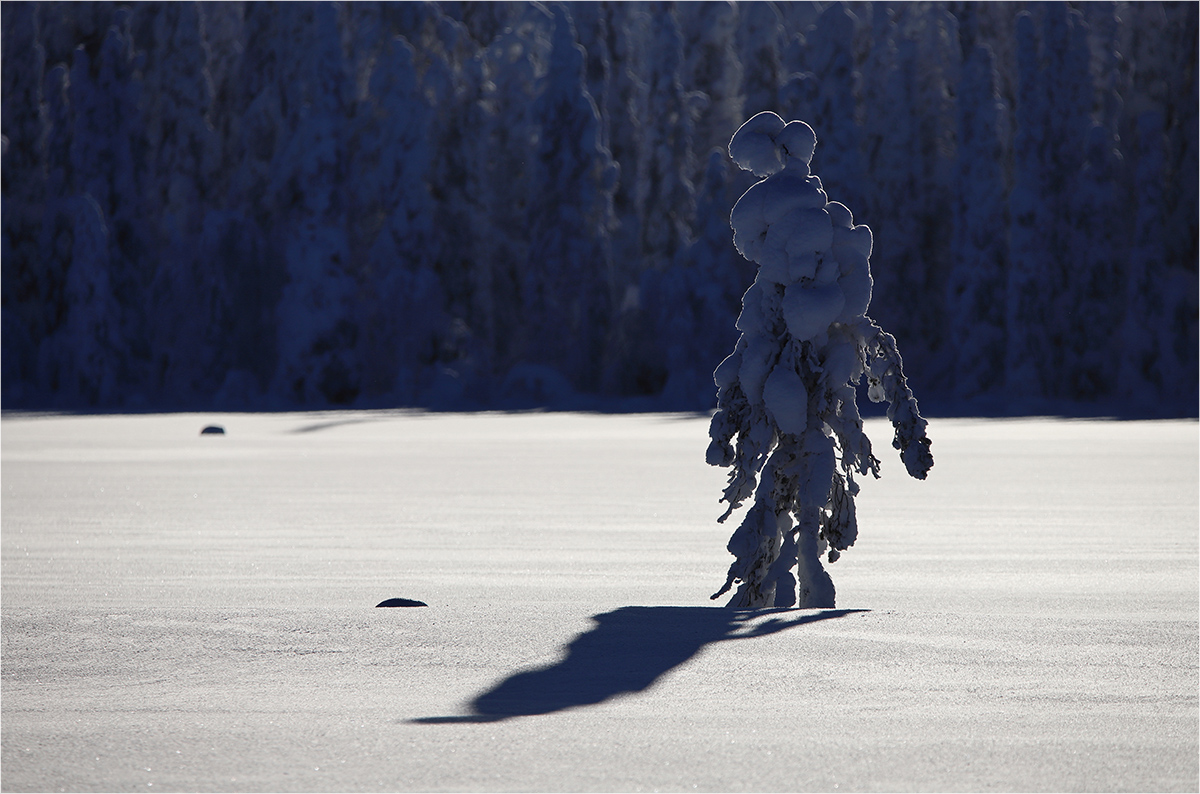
x=798, y=141
x=753, y=146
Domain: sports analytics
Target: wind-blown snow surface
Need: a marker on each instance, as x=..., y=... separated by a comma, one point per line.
x=197, y=612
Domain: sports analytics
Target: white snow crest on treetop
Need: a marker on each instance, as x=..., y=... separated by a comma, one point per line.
x=753, y=146
x=786, y=393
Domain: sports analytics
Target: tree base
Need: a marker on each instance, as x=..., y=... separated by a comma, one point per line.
x=816, y=590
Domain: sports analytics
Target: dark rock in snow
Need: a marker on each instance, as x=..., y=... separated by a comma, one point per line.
x=213, y=430
x=401, y=602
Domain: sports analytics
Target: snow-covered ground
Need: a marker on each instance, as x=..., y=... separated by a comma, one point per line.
x=198, y=612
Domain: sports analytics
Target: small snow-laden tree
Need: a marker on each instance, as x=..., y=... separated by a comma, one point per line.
x=787, y=392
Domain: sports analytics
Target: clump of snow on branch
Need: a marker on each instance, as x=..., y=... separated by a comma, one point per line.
x=787, y=423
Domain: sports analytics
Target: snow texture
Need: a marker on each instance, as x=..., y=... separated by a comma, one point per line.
x=787, y=391
x=198, y=612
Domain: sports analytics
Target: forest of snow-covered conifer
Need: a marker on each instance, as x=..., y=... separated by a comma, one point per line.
x=271, y=205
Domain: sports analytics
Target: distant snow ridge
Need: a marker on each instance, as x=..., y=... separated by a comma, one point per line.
x=787, y=392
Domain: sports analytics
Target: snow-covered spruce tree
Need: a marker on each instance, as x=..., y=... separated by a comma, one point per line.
x=787, y=392
x=827, y=94
x=666, y=195
x=761, y=37
x=189, y=311
x=393, y=221
x=567, y=287
x=317, y=315
x=712, y=66
x=975, y=289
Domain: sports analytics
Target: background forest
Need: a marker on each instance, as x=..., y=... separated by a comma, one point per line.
x=470, y=205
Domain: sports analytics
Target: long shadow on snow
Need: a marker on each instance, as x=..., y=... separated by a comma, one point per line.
x=627, y=651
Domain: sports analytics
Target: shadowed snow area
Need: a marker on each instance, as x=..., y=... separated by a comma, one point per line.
x=197, y=612
x=627, y=651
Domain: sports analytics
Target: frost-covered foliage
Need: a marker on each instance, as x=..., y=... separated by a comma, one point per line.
x=362, y=203
x=786, y=421
x=981, y=244
x=567, y=285
x=825, y=93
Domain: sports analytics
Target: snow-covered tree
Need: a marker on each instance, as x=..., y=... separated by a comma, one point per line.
x=1028, y=272
x=1048, y=268
x=255, y=127
x=495, y=197
x=108, y=143
x=392, y=221
x=1182, y=245
x=761, y=38
x=1069, y=96
x=1100, y=247
x=54, y=249
x=975, y=299
x=694, y=303
x=24, y=176
x=82, y=362
x=195, y=129
x=318, y=329
x=827, y=94
x=666, y=196
x=787, y=392
x=592, y=27
x=454, y=81
x=107, y=164
x=713, y=67
x=568, y=286
x=898, y=202
x=187, y=290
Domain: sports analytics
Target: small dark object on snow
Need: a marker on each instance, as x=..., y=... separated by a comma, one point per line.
x=213, y=430
x=401, y=602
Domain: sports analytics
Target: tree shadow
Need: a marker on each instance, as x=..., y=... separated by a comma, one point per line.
x=626, y=651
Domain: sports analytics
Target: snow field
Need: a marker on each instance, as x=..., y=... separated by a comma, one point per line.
x=188, y=612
